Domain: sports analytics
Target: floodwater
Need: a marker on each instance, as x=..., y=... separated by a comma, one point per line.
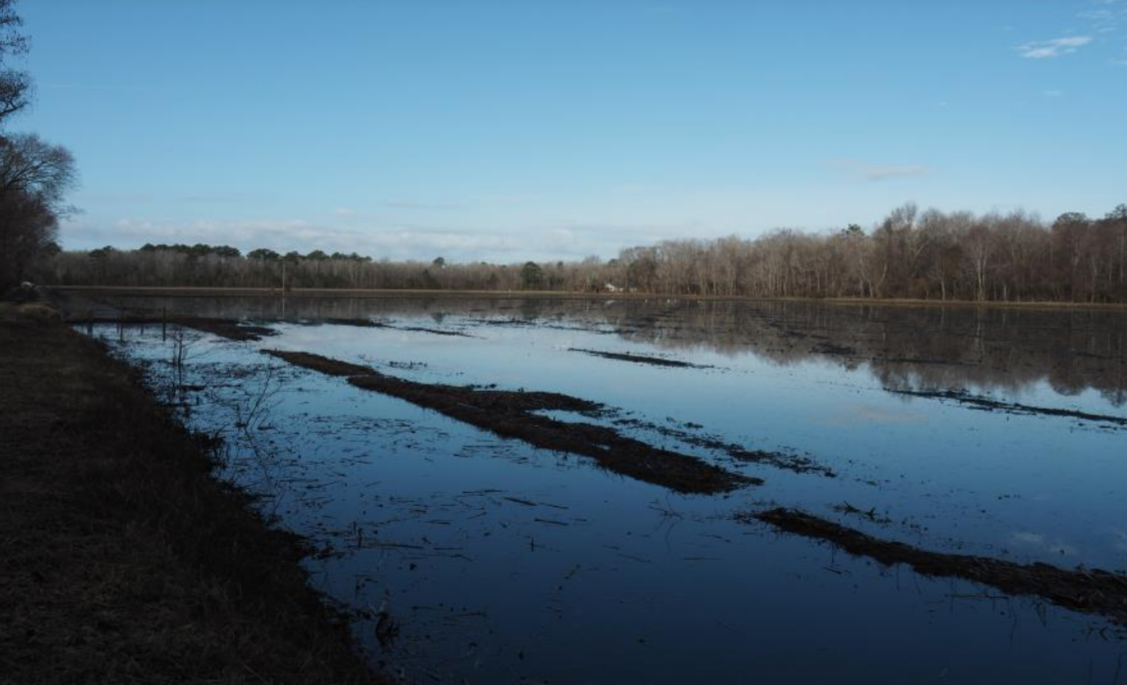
x=466, y=557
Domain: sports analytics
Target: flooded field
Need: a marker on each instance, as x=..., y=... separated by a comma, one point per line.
x=574, y=491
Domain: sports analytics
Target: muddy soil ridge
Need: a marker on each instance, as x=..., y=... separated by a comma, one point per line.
x=369, y=323
x=1088, y=591
x=781, y=460
x=511, y=414
x=638, y=358
x=989, y=404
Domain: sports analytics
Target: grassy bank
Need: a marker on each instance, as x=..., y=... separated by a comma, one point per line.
x=123, y=559
x=518, y=294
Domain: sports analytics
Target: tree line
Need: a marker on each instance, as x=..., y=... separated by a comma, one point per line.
x=35, y=175
x=932, y=255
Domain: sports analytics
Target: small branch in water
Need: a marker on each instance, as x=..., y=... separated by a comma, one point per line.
x=550, y=521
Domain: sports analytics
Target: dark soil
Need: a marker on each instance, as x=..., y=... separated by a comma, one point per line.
x=1089, y=591
x=833, y=349
x=987, y=404
x=368, y=323
x=432, y=331
x=123, y=560
x=781, y=460
x=359, y=323
x=511, y=414
x=224, y=328
x=327, y=366
x=638, y=359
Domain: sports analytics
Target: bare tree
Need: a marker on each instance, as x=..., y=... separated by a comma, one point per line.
x=15, y=85
x=909, y=254
x=34, y=178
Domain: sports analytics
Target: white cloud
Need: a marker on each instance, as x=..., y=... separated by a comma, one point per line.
x=1108, y=18
x=880, y=173
x=417, y=205
x=1056, y=47
x=367, y=237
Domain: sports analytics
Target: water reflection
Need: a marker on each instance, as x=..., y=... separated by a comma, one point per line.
x=996, y=350
x=501, y=562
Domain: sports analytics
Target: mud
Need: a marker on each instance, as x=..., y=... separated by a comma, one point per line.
x=833, y=349
x=987, y=404
x=638, y=359
x=327, y=366
x=369, y=323
x=511, y=414
x=232, y=330
x=358, y=323
x=1088, y=591
x=432, y=331
x=782, y=460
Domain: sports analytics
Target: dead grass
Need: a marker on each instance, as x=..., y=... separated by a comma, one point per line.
x=123, y=560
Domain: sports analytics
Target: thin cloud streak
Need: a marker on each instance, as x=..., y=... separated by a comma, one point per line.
x=1057, y=47
x=880, y=173
x=391, y=241
x=884, y=173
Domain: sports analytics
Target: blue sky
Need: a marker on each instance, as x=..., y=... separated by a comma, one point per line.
x=547, y=129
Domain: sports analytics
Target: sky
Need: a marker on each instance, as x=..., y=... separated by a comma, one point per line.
x=547, y=130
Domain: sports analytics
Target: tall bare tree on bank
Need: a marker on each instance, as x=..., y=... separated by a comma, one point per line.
x=34, y=174
x=34, y=177
x=15, y=85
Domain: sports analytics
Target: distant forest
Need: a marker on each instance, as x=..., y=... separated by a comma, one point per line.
x=930, y=255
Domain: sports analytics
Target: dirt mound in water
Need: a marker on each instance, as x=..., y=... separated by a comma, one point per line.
x=1089, y=591
x=637, y=358
x=511, y=414
x=989, y=404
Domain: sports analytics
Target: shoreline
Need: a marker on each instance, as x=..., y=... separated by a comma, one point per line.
x=313, y=293
x=125, y=559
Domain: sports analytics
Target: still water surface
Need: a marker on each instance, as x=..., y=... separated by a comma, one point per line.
x=482, y=559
